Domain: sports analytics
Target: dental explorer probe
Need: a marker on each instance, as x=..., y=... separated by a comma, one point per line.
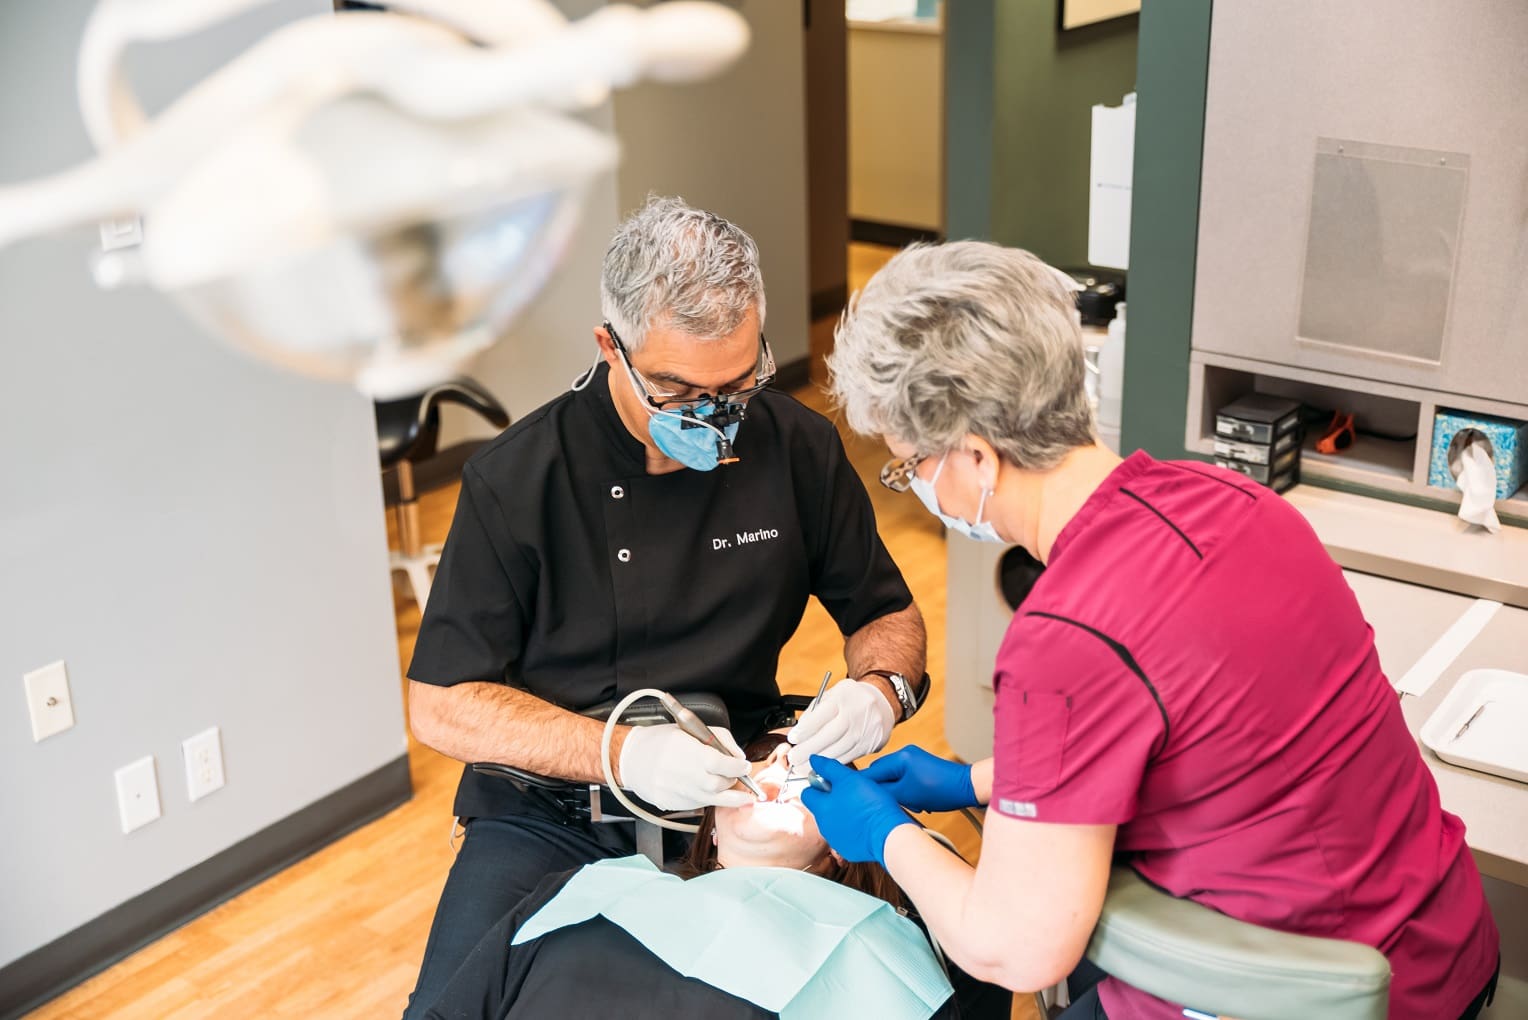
x=809, y=776
x=695, y=727
x=821, y=688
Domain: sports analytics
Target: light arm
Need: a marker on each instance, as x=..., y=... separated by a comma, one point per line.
x=533, y=58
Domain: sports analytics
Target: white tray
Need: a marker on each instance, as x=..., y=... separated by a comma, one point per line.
x=1497, y=740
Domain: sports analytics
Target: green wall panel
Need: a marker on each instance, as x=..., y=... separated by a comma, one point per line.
x=1045, y=84
x=968, y=119
x=1164, y=222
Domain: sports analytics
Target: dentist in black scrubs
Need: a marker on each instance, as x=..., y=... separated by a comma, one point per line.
x=661, y=525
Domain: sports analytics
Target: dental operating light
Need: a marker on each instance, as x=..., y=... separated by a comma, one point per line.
x=370, y=196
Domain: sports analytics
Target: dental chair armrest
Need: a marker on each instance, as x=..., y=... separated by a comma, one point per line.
x=1186, y=953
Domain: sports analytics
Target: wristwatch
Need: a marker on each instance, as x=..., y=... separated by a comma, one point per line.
x=910, y=696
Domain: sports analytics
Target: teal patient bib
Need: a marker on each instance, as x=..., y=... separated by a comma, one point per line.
x=821, y=947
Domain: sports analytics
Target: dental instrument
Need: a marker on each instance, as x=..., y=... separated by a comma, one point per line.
x=821, y=689
x=692, y=724
x=808, y=776
x=637, y=811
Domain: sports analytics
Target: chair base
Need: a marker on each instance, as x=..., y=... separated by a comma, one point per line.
x=418, y=569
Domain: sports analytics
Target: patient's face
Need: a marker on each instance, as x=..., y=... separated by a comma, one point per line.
x=778, y=832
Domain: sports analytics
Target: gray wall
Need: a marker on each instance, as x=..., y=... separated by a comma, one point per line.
x=200, y=537
x=736, y=146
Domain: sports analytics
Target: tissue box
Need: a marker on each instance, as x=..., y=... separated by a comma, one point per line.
x=1509, y=444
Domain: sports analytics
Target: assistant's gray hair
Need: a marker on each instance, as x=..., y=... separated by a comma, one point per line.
x=966, y=337
x=672, y=266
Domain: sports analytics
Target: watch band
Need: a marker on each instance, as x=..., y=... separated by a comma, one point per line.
x=909, y=696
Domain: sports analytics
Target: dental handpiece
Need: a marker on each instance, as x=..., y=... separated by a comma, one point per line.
x=695, y=727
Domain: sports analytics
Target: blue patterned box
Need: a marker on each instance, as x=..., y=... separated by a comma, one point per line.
x=1509, y=441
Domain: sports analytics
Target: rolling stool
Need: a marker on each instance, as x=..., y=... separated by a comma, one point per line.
x=408, y=432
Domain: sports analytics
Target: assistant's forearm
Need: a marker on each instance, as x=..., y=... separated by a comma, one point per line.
x=941, y=886
x=896, y=642
x=936, y=881
x=492, y=722
x=981, y=780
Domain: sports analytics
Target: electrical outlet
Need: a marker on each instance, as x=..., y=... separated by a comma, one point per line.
x=48, y=700
x=137, y=794
x=204, y=763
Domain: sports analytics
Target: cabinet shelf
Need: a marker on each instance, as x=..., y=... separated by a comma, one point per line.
x=1389, y=468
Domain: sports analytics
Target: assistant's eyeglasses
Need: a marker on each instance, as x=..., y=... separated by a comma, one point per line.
x=897, y=473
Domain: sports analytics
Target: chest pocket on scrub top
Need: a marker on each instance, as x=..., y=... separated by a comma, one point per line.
x=1043, y=718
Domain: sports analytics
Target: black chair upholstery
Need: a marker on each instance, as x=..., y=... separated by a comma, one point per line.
x=409, y=428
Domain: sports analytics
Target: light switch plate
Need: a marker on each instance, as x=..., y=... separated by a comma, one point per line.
x=137, y=794
x=48, y=701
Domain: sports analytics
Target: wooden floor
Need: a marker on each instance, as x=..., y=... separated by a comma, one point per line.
x=341, y=933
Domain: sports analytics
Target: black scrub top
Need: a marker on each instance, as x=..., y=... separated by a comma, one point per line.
x=573, y=574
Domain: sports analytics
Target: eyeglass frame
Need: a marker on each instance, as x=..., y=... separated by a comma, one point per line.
x=897, y=473
x=764, y=377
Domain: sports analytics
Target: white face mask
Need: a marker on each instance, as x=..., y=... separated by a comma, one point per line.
x=981, y=531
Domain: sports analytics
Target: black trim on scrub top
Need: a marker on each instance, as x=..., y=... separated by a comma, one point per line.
x=1213, y=478
x=1165, y=521
x=1124, y=656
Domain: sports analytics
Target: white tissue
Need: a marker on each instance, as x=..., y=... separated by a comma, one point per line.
x=1475, y=474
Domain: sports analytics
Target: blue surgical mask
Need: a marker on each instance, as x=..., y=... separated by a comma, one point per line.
x=981, y=531
x=688, y=437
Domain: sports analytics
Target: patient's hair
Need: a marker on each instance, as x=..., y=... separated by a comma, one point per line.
x=867, y=877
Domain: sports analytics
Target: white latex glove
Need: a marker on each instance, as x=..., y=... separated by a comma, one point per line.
x=670, y=769
x=851, y=719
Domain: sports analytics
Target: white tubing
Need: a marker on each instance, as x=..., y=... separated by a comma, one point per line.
x=620, y=795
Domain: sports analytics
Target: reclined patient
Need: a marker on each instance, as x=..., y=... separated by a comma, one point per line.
x=770, y=923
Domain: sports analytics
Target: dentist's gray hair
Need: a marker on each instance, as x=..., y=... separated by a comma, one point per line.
x=966, y=337
x=672, y=266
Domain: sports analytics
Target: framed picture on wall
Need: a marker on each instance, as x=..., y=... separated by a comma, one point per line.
x=1077, y=13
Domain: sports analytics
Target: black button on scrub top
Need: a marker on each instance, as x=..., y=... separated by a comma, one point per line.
x=572, y=573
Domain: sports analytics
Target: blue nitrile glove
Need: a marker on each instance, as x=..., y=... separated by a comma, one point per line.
x=857, y=816
x=920, y=781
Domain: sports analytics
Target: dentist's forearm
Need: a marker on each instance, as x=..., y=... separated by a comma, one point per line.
x=896, y=641
x=493, y=722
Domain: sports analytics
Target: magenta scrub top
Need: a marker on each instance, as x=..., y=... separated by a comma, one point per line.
x=1193, y=668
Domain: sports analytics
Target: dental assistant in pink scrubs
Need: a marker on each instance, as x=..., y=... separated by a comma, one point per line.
x=1190, y=684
